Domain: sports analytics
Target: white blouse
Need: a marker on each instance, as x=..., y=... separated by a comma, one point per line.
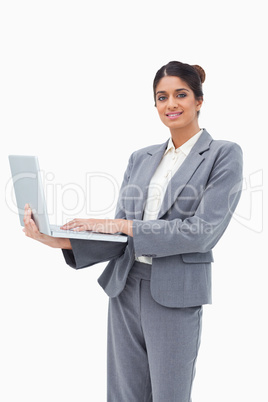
x=170, y=163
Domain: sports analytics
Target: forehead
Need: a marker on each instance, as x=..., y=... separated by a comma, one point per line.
x=171, y=83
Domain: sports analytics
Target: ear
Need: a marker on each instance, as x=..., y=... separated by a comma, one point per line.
x=199, y=103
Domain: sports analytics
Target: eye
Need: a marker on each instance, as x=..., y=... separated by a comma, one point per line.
x=161, y=98
x=181, y=95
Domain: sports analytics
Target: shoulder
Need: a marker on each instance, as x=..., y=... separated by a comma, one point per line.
x=227, y=151
x=149, y=150
x=220, y=154
x=217, y=148
x=226, y=156
x=218, y=145
x=224, y=145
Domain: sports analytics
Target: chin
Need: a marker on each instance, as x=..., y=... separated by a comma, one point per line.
x=176, y=125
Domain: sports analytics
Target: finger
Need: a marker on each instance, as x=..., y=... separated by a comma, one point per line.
x=72, y=224
x=66, y=225
x=33, y=226
x=81, y=228
x=27, y=209
x=27, y=215
x=31, y=230
x=28, y=227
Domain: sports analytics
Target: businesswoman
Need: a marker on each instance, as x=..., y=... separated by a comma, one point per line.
x=175, y=203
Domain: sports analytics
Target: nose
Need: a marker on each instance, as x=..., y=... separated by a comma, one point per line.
x=172, y=103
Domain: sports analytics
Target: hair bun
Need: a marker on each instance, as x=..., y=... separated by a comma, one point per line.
x=201, y=72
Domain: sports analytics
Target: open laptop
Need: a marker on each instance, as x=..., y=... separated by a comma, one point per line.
x=28, y=188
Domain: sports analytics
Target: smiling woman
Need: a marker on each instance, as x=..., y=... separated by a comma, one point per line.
x=178, y=98
x=175, y=203
x=194, y=76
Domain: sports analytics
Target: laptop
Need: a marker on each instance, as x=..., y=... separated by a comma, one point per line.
x=28, y=189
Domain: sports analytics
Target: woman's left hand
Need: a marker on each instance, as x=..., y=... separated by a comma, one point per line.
x=100, y=225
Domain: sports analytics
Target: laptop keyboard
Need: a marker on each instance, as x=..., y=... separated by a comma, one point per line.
x=57, y=229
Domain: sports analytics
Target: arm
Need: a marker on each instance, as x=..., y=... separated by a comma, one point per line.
x=101, y=225
x=77, y=253
x=200, y=232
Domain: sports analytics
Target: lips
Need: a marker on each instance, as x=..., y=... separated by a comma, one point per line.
x=173, y=115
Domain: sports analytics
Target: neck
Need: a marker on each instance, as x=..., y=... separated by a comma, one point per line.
x=181, y=135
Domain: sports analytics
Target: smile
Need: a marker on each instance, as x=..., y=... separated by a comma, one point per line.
x=173, y=116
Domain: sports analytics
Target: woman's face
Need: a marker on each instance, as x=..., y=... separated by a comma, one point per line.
x=176, y=103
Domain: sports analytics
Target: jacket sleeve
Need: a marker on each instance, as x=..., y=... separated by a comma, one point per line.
x=86, y=253
x=200, y=232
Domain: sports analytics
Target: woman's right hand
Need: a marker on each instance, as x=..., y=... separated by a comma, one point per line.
x=31, y=230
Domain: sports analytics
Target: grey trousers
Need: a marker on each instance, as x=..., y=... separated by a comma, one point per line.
x=152, y=349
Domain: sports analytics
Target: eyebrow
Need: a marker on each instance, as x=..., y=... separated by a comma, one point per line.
x=176, y=90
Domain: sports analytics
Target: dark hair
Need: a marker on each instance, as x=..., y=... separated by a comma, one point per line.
x=194, y=76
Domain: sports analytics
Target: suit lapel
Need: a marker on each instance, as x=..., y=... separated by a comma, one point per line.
x=185, y=172
x=146, y=171
x=179, y=180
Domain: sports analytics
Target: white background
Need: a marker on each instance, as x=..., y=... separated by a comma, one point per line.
x=76, y=90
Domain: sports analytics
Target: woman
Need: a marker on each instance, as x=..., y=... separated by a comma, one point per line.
x=175, y=203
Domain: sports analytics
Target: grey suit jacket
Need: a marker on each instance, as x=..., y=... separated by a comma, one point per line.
x=198, y=205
